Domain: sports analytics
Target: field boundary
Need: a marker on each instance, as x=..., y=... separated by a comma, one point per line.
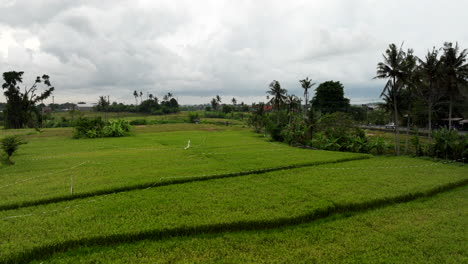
x=173, y=180
x=42, y=252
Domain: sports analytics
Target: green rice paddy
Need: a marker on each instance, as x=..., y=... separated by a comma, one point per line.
x=232, y=196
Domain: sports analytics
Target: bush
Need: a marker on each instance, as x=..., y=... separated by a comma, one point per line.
x=139, y=122
x=193, y=117
x=88, y=127
x=119, y=128
x=10, y=145
x=380, y=145
x=96, y=127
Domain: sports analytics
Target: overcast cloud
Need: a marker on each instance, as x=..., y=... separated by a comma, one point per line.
x=197, y=49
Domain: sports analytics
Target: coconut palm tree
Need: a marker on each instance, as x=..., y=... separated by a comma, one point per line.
x=234, y=101
x=429, y=83
x=393, y=69
x=455, y=73
x=135, y=93
x=278, y=94
x=306, y=85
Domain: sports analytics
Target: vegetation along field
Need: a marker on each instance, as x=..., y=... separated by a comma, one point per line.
x=229, y=195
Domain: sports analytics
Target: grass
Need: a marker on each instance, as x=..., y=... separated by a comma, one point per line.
x=429, y=230
x=273, y=199
x=154, y=155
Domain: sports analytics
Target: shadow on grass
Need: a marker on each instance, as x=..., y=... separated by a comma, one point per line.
x=167, y=182
x=160, y=234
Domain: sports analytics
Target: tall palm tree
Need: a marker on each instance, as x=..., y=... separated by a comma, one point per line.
x=278, y=94
x=135, y=93
x=218, y=99
x=429, y=83
x=234, y=101
x=306, y=85
x=141, y=97
x=392, y=68
x=455, y=73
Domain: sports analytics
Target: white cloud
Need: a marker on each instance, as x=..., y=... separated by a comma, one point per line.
x=232, y=48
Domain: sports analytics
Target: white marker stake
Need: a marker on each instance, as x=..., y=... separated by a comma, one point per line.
x=71, y=184
x=188, y=145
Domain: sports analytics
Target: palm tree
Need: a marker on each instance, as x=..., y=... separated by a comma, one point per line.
x=393, y=69
x=234, y=101
x=429, y=88
x=135, y=93
x=218, y=99
x=455, y=73
x=150, y=96
x=306, y=85
x=278, y=94
x=141, y=97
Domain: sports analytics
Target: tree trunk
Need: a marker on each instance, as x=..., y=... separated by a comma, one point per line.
x=450, y=113
x=429, y=113
x=395, y=110
x=407, y=134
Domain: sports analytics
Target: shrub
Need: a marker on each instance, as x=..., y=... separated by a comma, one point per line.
x=380, y=145
x=139, y=122
x=10, y=145
x=96, y=127
x=119, y=128
x=88, y=127
x=193, y=117
x=445, y=141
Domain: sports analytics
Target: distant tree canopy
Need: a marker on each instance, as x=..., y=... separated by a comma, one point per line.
x=150, y=106
x=20, y=110
x=329, y=98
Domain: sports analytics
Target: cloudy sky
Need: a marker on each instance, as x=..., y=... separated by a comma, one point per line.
x=197, y=49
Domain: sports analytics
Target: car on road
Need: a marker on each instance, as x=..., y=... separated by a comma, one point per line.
x=390, y=125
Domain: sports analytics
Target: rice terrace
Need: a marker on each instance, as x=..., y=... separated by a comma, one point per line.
x=233, y=131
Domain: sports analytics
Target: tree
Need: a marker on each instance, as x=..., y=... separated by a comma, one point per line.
x=10, y=145
x=135, y=94
x=214, y=104
x=278, y=94
x=455, y=73
x=393, y=69
x=102, y=104
x=141, y=97
x=329, y=98
x=218, y=99
x=234, y=101
x=21, y=110
x=429, y=87
x=306, y=85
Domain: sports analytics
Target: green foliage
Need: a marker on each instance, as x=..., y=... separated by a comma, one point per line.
x=138, y=122
x=116, y=128
x=448, y=144
x=96, y=128
x=193, y=117
x=297, y=131
x=329, y=98
x=380, y=145
x=10, y=145
x=21, y=110
x=417, y=145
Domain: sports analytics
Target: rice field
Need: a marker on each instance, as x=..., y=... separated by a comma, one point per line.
x=230, y=196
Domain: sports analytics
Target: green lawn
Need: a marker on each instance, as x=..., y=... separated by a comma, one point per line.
x=163, y=223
